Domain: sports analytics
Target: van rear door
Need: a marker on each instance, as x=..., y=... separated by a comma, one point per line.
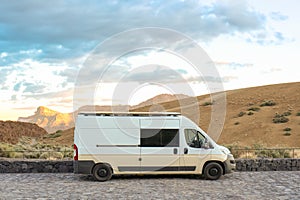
x=113, y=140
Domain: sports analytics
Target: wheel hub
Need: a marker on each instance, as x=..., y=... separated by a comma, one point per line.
x=102, y=172
x=213, y=171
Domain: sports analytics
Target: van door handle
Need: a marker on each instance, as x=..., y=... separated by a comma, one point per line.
x=175, y=151
x=185, y=150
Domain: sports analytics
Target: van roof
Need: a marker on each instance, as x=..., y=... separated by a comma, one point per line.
x=129, y=113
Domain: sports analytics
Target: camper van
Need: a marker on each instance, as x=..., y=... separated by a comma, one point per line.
x=107, y=144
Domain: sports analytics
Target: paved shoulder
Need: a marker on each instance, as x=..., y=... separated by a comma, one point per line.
x=239, y=185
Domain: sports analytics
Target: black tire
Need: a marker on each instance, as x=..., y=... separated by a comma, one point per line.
x=213, y=171
x=102, y=172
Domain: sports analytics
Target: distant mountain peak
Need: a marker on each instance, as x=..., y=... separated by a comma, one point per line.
x=42, y=110
x=49, y=119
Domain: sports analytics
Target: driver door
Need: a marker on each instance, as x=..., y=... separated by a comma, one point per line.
x=196, y=152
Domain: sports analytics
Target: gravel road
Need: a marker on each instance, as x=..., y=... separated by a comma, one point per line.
x=239, y=185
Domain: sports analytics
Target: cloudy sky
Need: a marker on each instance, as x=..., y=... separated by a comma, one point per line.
x=64, y=54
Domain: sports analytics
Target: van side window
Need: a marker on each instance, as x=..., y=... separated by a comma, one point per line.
x=194, y=138
x=159, y=138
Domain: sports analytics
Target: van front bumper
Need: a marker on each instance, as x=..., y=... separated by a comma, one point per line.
x=83, y=166
x=230, y=164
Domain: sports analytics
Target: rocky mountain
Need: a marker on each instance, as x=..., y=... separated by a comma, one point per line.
x=50, y=120
x=11, y=131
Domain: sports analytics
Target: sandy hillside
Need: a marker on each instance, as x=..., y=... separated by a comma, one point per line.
x=250, y=127
x=253, y=127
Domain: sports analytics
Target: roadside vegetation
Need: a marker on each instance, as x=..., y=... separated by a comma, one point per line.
x=29, y=149
x=260, y=151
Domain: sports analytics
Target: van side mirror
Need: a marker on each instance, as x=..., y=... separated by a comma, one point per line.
x=205, y=145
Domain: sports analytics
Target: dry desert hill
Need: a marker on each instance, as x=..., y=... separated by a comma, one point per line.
x=267, y=115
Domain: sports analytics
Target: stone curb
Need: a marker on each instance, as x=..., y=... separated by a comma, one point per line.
x=39, y=166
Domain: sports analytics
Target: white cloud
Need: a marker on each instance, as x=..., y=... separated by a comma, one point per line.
x=3, y=55
x=31, y=51
x=30, y=84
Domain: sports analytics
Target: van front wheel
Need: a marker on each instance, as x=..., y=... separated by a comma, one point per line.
x=213, y=171
x=102, y=172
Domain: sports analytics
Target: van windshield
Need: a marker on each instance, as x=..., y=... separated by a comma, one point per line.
x=194, y=138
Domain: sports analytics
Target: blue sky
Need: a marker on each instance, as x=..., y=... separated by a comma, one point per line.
x=44, y=46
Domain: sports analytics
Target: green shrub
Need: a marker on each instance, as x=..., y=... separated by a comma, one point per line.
x=236, y=153
x=258, y=150
x=43, y=151
x=59, y=131
x=207, y=103
x=32, y=154
x=53, y=135
x=45, y=155
x=278, y=153
x=52, y=155
x=270, y=153
x=298, y=114
x=288, y=113
x=6, y=150
x=67, y=152
x=256, y=109
x=257, y=146
x=287, y=129
x=19, y=155
x=241, y=114
x=57, y=155
x=268, y=103
x=280, y=119
x=250, y=113
x=287, y=133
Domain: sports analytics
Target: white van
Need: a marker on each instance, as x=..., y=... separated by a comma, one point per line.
x=146, y=143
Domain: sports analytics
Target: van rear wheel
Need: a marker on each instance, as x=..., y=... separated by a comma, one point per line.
x=102, y=172
x=213, y=171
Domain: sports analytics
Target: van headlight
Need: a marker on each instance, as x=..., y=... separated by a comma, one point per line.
x=225, y=151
